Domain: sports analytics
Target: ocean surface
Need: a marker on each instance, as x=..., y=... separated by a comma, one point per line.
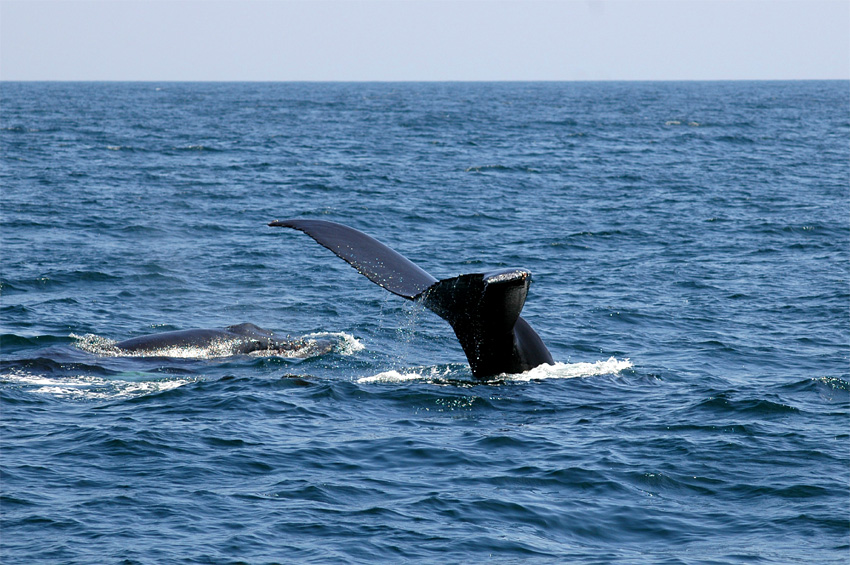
x=690, y=248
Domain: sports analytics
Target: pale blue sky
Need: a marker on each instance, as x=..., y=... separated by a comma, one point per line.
x=280, y=40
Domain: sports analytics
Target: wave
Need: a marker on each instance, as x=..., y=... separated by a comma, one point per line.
x=128, y=148
x=500, y=169
x=611, y=366
x=59, y=278
x=11, y=342
x=90, y=387
x=198, y=148
x=724, y=403
x=26, y=129
x=86, y=381
x=736, y=139
x=449, y=374
x=346, y=344
x=690, y=123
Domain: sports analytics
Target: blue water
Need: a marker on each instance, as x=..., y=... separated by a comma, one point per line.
x=690, y=247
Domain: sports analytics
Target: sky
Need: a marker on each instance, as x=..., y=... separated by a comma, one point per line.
x=424, y=40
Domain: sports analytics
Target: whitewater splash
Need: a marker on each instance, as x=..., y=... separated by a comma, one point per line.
x=439, y=375
x=90, y=387
x=346, y=344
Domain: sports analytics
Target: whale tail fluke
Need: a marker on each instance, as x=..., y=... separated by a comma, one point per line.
x=374, y=260
x=483, y=309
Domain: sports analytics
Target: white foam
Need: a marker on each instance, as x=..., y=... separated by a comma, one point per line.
x=428, y=374
x=348, y=344
x=611, y=366
x=87, y=387
x=94, y=343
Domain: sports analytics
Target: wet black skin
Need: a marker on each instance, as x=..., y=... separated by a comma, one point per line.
x=482, y=308
x=240, y=339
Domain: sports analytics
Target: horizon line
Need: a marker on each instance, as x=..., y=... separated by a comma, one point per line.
x=396, y=81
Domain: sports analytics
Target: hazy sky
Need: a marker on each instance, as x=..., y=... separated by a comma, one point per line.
x=279, y=40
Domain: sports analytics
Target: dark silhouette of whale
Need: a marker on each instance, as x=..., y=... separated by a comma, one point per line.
x=482, y=308
x=232, y=340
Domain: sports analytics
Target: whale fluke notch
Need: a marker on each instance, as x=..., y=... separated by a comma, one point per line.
x=483, y=309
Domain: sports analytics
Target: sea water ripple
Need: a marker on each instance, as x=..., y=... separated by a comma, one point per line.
x=689, y=249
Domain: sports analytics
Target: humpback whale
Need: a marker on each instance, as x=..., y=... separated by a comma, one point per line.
x=482, y=308
x=233, y=340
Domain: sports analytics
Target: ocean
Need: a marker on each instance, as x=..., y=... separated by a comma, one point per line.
x=689, y=244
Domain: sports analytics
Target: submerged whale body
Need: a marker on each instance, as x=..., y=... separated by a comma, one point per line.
x=232, y=340
x=482, y=308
